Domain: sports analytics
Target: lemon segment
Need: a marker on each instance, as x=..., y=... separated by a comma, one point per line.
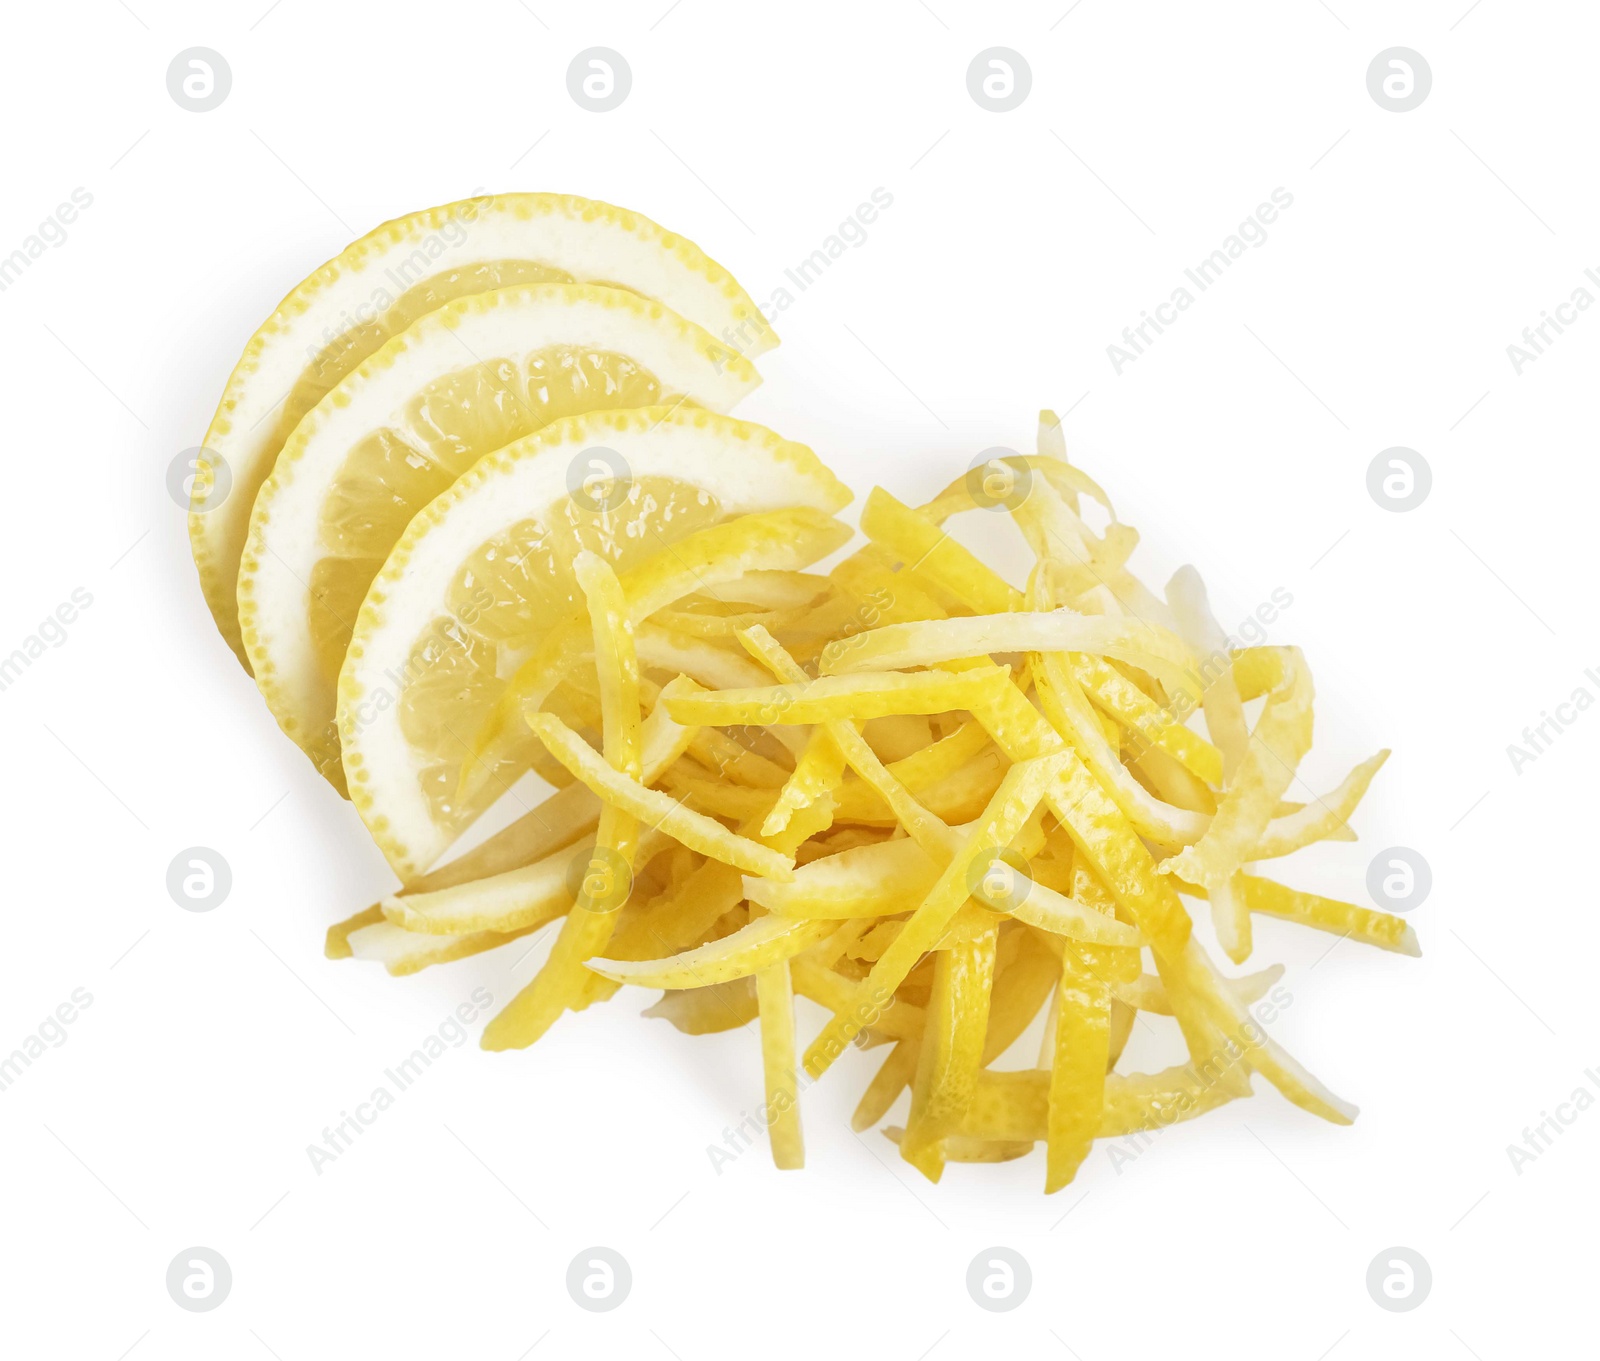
x=402, y=427
x=377, y=287
x=419, y=678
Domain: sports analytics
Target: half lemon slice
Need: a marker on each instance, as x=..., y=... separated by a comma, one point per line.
x=477, y=374
x=382, y=283
x=483, y=574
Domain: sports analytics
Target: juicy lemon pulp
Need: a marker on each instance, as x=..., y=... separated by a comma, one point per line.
x=342, y=355
x=391, y=474
x=505, y=596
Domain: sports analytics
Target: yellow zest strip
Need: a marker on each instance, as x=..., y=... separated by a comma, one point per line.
x=708, y=1011
x=559, y=821
x=1078, y=1072
x=818, y=772
x=1219, y=693
x=721, y=755
x=336, y=945
x=654, y=808
x=562, y=983
x=897, y=646
x=1015, y=1106
x=1136, y=711
x=1256, y=1049
x=766, y=941
x=1281, y=739
x=923, y=827
x=900, y=1020
x=879, y=879
x=1322, y=819
x=1163, y=822
x=512, y=901
x=952, y=1047
x=832, y=699
x=1382, y=929
x=1021, y=988
x=942, y=758
x=768, y=540
x=704, y=625
x=1097, y=828
x=958, y=1148
x=684, y=916
x=931, y=553
x=899, y=1068
x=404, y=952
x=1013, y=804
x=1149, y=993
x=775, y=996
x=774, y=590
x=1049, y=911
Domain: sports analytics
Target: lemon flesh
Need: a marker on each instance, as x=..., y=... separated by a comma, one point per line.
x=348, y=308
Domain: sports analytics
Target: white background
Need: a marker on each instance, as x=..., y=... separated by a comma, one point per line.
x=218, y=1046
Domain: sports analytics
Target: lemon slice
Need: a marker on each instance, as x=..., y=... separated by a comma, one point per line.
x=483, y=573
x=469, y=378
x=382, y=283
